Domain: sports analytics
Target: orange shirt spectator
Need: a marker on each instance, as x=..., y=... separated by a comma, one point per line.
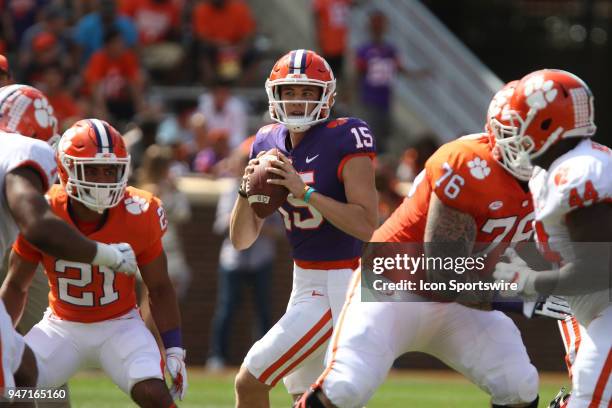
x=332, y=25
x=116, y=73
x=229, y=23
x=113, y=77
x=154, y=19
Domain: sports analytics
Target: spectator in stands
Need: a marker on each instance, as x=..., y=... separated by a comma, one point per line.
x=212, y=148
x=251, y=267
x=225, y=111
x=46, y=51
x=331, y=20
x=52, y=24
x=158, y=24
x=387, y=186
x=412, y=161
x=92, y=29
x=177, y=132
x=17, y=17
x=224, y=32
x=177, y=126
x=154, y=176
x=66, y=108
x=140, y=137
x=378, y=63
x=5, y=73
x=114, y=79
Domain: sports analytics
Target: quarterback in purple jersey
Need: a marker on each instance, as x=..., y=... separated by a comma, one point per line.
x=327, y=166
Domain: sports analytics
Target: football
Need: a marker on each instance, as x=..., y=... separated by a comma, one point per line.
x=265, y=198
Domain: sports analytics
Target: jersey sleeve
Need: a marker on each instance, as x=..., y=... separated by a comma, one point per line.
x=448, y=174
x=39, y=157
x=157, y=225
x=578, y=182
x=355, y=139
x=26, y=250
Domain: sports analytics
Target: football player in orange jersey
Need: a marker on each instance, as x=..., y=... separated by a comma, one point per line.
x=549, y=123
x=92, y=318
x=469, y=196
x=27, y=168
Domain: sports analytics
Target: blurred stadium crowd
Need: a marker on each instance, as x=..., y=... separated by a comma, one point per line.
x=114, y=60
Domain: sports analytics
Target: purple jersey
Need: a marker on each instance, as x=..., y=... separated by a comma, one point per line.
x=319, y=158
x=378, y=64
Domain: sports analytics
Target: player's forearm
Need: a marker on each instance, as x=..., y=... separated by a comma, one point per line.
x=574, y=278
x=450, y=233
x=244, y=225
x=53, y=236
x=164, y=308
x=39, y=225
x=351, y=218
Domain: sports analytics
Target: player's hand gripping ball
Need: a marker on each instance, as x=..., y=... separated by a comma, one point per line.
x=264, y=198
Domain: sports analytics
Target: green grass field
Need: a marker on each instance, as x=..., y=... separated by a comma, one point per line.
x=414, y=389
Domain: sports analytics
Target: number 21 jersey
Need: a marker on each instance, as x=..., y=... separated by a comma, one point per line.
x=85, y=293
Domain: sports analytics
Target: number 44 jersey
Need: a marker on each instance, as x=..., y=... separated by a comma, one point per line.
x=86, y=293
x=580, y=178
x=464, y=175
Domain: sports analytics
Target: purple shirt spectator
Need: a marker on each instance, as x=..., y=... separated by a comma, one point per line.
x=377, y=64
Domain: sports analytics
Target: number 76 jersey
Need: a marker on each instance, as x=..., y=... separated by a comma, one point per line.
x=465, y=176
x=85, y=293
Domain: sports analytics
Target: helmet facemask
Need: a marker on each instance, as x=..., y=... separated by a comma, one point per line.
x=94, y=195
x=512, y=150
x=319, y=109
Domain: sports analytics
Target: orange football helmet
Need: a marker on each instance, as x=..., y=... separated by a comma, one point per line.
x=547, y=106
x=26, y=111
x=92, y=142
x=301, y=67
x=499, y=133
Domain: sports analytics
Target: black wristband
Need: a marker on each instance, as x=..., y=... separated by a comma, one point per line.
x=241, y=192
